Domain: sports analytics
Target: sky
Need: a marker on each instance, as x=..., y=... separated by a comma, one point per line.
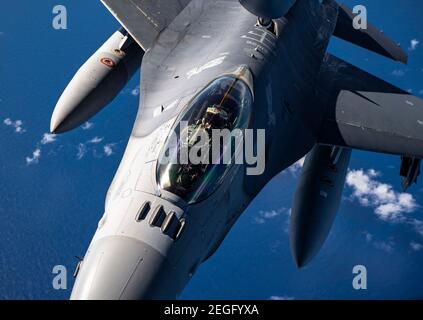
x=52, y=188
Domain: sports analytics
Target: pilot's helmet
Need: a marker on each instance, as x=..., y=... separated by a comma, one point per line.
x=216, y=116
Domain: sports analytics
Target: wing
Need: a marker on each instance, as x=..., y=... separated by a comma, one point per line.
x=364, y=112
x=145, y=19
x=370, y=38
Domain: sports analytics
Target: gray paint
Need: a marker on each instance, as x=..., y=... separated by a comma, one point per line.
x=302, y=97
x=317, y=200
x=364, y=112
x=97, y=82
x=145, y=19
x=371, y=38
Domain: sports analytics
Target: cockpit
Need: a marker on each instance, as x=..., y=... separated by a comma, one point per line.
x=225, y=104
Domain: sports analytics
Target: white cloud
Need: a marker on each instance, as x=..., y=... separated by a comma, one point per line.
x=36, y=155
x=95, y=140
x=388, y=204
x=387, y=246
x=17, y=125
x=384, y=246
x=416, y=246
x=270, y=214
x=417, y=225
x=398, y=73
x=259, y=220
x=281, y=298
x=413, y=44
x=83, y=147
x=263, y=216
x=82, y=150
x=108, y=149
x=48, y=138
x=87, y=125
x=373, y=173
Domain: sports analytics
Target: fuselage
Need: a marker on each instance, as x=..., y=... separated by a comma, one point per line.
x=150, y=242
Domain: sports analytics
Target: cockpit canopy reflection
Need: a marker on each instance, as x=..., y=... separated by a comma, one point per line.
x=225, y=104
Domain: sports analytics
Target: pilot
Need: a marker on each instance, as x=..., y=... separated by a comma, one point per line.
x=188, y=175
x=215, y=118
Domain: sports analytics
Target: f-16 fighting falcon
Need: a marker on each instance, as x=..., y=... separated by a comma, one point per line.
x=233, y=65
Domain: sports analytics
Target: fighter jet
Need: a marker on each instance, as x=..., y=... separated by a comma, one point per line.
x=229, y=64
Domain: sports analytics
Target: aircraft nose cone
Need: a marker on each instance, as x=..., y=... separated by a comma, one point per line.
x=118, y=268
